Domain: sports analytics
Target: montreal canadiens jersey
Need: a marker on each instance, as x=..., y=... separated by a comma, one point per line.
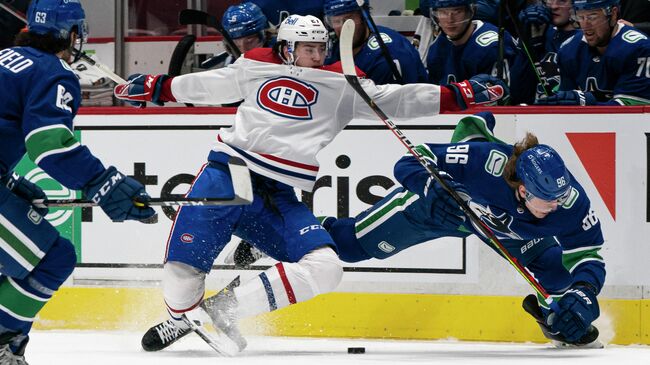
x=479, y=167
x=372, y=62
x=619, y=76
x=447, y=63
x=39, y=97
x=290, y=113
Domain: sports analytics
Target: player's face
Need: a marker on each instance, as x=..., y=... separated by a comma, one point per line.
x=248, y=42
x=560, y=11
x=538, y=207
x=337, y=21
x=310, y=54
x=595, y=26
x=453, y=21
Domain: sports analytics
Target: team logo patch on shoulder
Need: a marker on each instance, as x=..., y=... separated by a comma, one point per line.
x=632, y=36
x=287, y=97
x=571, y=199
x=487, y=38
x=374, y=45
x=496, y=163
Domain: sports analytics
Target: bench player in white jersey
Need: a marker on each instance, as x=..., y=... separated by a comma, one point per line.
x=292, y=107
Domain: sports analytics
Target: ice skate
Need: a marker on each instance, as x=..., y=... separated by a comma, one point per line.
x=222, y=309
x=9, y=356
x=588, y=341
x=244, y=255
x=164, y=334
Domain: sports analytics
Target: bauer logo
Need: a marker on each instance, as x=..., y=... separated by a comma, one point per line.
x=187, y=238
x=287, y=97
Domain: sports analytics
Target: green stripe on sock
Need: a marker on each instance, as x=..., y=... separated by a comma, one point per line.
x=17, y=302
x=382, y=212
x=19, y=246
x=56, y=138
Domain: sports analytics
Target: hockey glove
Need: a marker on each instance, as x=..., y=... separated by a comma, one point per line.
x=121, y=197
x=140, y=89
x=571, y=97
x=578, y=308
x=445, y=211
x=536, y=14
x=480, y=89
x=26, y=190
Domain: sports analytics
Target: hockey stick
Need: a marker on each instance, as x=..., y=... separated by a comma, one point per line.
x=347, y=61
x=241, y=181
x=365, y=11
x=191, y=16
x=107, y=71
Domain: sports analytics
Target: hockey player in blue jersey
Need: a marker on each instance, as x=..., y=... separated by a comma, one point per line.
x=607, y=63
x=367, y=52
x=466, y=48
x=278, y=10
x=549, y=24
x=247, y=26
x=39, y=98
x=534, y=205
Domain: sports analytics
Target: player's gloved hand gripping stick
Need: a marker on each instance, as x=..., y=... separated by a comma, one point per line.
x=349, y=70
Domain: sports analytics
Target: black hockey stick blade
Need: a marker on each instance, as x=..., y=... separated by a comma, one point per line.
x=241, y=182
x=191, y=16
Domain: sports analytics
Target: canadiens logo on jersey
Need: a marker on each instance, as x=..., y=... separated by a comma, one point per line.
x=287, y=97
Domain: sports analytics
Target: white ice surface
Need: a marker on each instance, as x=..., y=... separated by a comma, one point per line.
x=95, y=348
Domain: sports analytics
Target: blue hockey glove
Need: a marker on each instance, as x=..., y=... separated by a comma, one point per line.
x=571, y=97
x=445, y=211
x=140, y=89
x=578, y=308
x=536, y=14
x=480, y=89
x=25, y=189
x=121, y=197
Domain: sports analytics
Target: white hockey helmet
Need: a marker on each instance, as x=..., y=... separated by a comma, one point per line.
x=299, y=28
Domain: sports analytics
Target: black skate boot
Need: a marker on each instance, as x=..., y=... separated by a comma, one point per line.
x=12, y=348
x=244, y=255
x=222, y=309
x=164, y=334
x=589, y=340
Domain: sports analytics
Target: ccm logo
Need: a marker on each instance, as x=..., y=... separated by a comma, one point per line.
x=313, y=227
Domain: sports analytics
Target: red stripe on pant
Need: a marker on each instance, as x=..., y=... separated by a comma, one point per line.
x=286, y=283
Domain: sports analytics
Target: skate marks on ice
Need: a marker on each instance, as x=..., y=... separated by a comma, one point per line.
x=106, y=347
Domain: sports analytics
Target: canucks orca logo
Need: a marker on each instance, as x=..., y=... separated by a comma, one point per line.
x=287, y=97
x=500, y=225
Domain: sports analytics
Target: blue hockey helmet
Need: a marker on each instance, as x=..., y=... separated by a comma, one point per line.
x=338, y=7
x=425, y=7
x=438, y=4
x=543, y=173
x=594, y=4
x=243, y=20
x=57, y=17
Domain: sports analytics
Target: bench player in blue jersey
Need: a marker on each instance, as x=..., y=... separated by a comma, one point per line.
x=466, y=48
x=39, y=98
x=367, y=53
x=607, y=63
x=550, y=24
x=247, y=26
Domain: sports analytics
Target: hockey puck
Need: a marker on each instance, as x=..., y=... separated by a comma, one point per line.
x=356, y=350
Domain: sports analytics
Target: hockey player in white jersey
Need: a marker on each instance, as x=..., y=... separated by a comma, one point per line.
x=292, y=107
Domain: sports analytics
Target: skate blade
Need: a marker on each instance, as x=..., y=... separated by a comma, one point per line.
x=221, y=344
x=592, y=345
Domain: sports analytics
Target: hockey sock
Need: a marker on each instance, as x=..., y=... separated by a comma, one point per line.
x=285, y=283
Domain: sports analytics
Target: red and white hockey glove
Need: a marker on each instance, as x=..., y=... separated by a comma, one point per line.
x=480, y=89
x=140, y=89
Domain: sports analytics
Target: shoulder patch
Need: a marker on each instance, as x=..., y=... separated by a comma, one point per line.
x=633, y=36
x=374, y=45
x=573, y=197
x=487, y=38
x=496, y=163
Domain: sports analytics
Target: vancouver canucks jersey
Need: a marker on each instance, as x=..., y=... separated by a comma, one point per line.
x=549, y=70
x=39, y=97
x=372, y=62
x=619, y=76
x=447, y=63
x=479, y=167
